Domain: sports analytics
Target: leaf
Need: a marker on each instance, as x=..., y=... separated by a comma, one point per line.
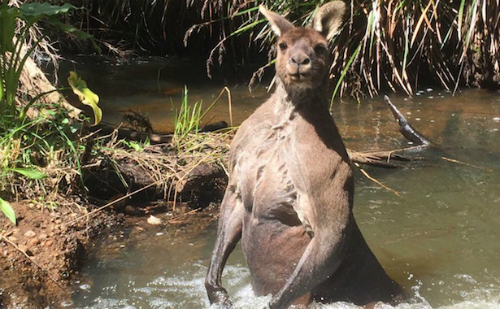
x=1, y=90
x=30, y=173
x=85, y=95
x=7, y=210
x=33, y=12
x=344, y=71
x=7, y=28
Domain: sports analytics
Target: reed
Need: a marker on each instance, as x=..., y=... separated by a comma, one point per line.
x=395, y=44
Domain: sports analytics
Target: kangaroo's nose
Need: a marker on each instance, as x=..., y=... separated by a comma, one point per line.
x=299, y=59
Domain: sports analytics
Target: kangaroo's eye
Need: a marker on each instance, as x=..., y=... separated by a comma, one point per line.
x=320, y=49
x=282, y=46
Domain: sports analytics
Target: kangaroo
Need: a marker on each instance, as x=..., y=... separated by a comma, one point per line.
x=290, y=192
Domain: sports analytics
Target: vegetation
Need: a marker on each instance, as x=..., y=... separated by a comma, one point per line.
x=45, y=152
x=47, y=140
x=395, y=44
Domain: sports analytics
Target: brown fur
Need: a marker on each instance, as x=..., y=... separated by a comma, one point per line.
x=290, y=191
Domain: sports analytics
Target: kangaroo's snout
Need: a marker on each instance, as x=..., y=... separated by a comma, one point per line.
x=299, y=59
x=298, y=65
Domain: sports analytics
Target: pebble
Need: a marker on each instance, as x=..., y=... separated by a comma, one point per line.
x=30, y=233
x=12, y=238
x=85, y=287
x=48, y=243
x=154, y=220
x=33, y=242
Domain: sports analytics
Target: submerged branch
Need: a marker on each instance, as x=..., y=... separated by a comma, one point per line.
x=406, y=128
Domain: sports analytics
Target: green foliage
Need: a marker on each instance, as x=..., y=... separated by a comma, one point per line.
x=404, y=44
x=14, y=53
x=13, y=49
x=188, y=119
x=37, y=154
x=29, y=144
x=29, y=173
x=7, y=210
x=136, y=146
x=85, y=95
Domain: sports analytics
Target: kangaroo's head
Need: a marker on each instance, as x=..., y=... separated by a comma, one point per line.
x=302, y=60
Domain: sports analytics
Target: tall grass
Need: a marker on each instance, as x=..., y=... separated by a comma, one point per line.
x=189, y=119
x=395, y=44
x=385, y=44
x=125, y=27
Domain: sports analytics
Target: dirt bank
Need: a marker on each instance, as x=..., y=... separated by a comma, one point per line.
x=41, y=255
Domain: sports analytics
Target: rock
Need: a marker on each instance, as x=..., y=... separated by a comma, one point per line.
x=154, y=220
x=30, y=234
x=130, y=210
x=48, y=243
x=33, y=242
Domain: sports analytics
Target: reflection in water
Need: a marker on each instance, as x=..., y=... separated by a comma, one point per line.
x=439, y=238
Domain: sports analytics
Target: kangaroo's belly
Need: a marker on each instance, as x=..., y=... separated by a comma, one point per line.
x=272, y=250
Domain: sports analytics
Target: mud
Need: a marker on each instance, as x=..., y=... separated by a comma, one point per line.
x=41, y=255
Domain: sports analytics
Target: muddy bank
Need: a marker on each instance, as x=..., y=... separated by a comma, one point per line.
x=43, y=252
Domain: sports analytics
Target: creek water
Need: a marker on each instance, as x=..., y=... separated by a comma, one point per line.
x=438, y=236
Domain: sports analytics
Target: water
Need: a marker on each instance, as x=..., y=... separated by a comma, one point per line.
x=439, y=238
x=155, y=88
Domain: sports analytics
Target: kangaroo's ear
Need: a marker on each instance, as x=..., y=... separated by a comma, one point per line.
x=279, y=24
x=328, y=18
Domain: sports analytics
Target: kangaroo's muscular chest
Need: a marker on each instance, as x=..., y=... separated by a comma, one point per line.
x=262, y=170
x=265, y=180
x=272, y=176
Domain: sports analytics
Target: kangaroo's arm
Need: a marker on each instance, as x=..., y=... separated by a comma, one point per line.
x=330, y=219
x=228, y=235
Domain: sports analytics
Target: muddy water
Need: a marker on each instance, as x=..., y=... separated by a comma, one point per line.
x=439, y=237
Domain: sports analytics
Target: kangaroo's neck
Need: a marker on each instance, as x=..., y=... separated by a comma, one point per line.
x=289, y=101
